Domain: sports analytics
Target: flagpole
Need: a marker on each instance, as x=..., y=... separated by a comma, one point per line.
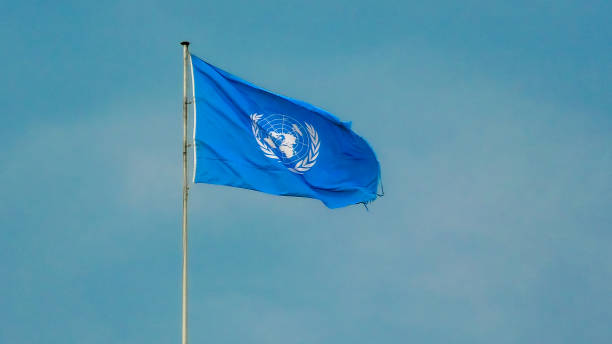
x=185, y=192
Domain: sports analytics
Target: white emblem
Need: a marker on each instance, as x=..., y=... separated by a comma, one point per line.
x=282, y=138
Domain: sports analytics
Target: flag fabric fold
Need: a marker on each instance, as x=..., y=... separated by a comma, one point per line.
x=251, y=138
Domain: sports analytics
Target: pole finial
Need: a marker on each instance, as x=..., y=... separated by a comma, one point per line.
x=184, y=43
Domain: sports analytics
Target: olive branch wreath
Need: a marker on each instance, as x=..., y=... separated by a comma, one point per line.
x=255, y=128
x=301, y=166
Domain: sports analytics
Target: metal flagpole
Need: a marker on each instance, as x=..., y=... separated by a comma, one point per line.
x=185, y=191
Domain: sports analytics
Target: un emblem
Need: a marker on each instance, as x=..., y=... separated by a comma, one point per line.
x=282, y=138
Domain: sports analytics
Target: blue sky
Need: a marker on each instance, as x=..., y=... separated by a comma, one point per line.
x=492, y=122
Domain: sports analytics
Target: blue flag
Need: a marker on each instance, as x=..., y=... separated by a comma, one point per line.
x=251, y=138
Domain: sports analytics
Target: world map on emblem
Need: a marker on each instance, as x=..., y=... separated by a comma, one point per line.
x=283, y=138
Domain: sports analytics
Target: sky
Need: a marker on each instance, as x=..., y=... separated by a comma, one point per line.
x=492, y=122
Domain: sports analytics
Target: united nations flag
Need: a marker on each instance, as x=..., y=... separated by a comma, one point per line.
x=251, y=138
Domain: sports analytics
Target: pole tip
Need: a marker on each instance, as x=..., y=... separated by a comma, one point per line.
x=184, y=43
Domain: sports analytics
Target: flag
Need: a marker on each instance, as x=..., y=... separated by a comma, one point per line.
x=251, y=138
